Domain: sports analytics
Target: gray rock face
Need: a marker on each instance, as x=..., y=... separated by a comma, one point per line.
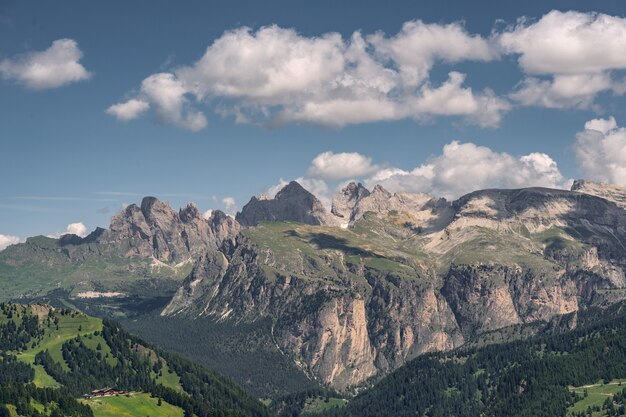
x=154, y=229
x=292, y=203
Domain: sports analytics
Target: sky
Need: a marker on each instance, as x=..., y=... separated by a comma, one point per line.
x=211, y=102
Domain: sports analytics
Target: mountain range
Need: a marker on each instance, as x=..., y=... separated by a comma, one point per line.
x=345, y=295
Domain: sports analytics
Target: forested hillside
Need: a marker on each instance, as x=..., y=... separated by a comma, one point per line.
x=532, y=378
x=49, y=358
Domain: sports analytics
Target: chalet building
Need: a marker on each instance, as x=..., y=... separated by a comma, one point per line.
x=105, y=392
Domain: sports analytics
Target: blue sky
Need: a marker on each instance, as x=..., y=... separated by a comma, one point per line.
x=66, y=159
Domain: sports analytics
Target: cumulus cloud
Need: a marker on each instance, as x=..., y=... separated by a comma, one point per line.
x=274, y=76
x=78, y=229
x=8, y=240
x=460, y=168
x=601, y=151
x=168, y=96
x=56, y=66
x=334, y=166
x=207, y=214
x=562, y=91
x=577, y=52
x=128, y=110
x=465, y=167
x=418, y=45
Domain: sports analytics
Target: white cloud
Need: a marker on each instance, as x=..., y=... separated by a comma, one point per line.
x=562, y=91
x=577, y=51
x=418, y=45
x=78, y=229
x=7, y=240
x=207, y=214
x=460, y=169
x=274, y=76
x=128, y=110
x=167, y=94
x=601, y=151
x=334, y=166
x=568, y=43
x=229, y=203
x=56, y=66
x=466, y=167
x=601, y=125
x=451, y=98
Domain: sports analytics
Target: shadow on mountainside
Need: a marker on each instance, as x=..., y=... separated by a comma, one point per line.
x=328, y=241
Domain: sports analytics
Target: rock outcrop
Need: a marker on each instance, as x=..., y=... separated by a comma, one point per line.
x=155, y=229
x=610, y=192
x=419, y=210
x=292, y=203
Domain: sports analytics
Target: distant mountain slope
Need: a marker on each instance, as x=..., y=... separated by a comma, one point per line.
x=146, y=252
x=73, y=354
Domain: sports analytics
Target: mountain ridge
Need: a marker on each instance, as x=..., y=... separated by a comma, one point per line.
x=354, y=297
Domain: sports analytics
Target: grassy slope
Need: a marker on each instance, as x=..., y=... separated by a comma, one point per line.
x=597, y=394
x=39, y=266
x=135, y=406
x=68, y=329
x=54, y=339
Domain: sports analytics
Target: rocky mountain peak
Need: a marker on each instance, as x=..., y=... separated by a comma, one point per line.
x=293, y=189
x=155, y=210
x=380, y=190
x=189, y=213
x=345, y=200
x=292, y=203
x=225, y=227
x=354, y=201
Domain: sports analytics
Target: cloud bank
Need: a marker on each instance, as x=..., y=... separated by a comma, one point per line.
x=274, y=76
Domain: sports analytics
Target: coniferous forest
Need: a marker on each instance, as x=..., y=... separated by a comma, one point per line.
x=106, y=357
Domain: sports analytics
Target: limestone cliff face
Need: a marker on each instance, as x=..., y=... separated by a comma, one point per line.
x=489, y=297
x=341, y=330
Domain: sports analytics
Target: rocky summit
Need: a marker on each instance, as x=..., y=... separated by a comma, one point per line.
x=292, y=203
x=354, y=292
